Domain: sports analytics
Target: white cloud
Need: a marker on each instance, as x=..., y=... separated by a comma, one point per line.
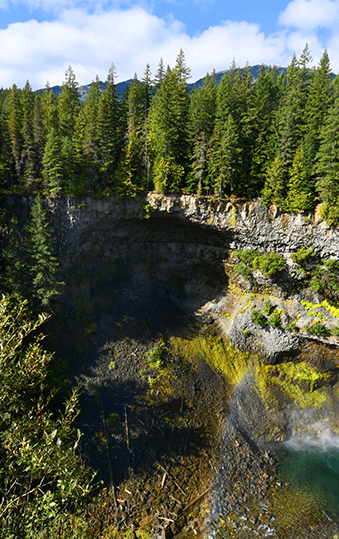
x=310, y=14
x=130, y=38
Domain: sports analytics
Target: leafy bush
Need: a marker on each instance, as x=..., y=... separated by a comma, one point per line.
x=319, y=330
x=247, y=257
x=275, y=319
x=267, y=308
x=335, y=331
x=41, y=471
x=331, y=264
x=258, y=318
x=292, y=326
x=316, y=284
x=269, y=263
x=155, y=358
x=302, y=254
x=325, y=280
x=242, y=269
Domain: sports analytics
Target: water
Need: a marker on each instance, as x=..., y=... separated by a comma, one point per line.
x=311, y=466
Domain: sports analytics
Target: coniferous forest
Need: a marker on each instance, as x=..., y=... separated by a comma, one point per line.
x=274, y=137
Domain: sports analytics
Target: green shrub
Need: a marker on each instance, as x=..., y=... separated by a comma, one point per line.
x=331, y=264
x=275, y=319
x=247, y=333
x=269, y=263
x=112, y=365
x=267, y=308
x=292, y=326
x=242, y=269
x=316, y=284
x=258, y=318
x=319, y=330
x=155, y=358
x=302, y=254
x=247, y=257
x=335, y=331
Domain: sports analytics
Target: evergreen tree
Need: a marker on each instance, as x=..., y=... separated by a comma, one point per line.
x=147, y=87
x=274, y=189
x=261, y=116
x=14, y=112
x=201, y=126
x=52, y=163
x=160, y=74
x=167, y=132
x=327, y=164
x=43, y=265
x=300, y=194
x=28, y=156
x=90, y=141
x=6, y=177
x=49, y=106
x=38, y=135
x=16, y=280
x=292, y=116
x=68, y=104
x=132, y=168
x=319, y=100
x=226, y=156
x=109, y=128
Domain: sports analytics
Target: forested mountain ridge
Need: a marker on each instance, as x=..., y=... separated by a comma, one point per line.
x=273, y=136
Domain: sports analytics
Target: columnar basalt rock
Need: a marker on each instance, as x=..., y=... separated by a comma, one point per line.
x=246, y=224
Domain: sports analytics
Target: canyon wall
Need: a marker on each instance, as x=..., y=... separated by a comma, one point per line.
x=232, y=223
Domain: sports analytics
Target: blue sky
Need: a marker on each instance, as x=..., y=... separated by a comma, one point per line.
x=39, y=39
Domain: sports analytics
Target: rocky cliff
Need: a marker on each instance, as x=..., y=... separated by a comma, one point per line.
x=241, y=224
x=180, y=244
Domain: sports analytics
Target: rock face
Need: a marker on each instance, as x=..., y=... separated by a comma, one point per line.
x=187, y=239
x=178, y=245
x=241, y=224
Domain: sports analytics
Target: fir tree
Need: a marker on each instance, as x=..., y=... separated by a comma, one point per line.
x=109, y=128
x=133, y=169
x=261, y=116
x=38, y=135
x=14, y=112
x=201, y=126
x=226, y=156
x=52, y=163
x=49, y=107
x=319, y=100
x=160, y=74
x=16, y=279
x=43, y=265
x=68, y=104
x=167, y=133
x=28, y=150
x=90, y=140
x=274, y=189
x=300, y=194
x=327, y=164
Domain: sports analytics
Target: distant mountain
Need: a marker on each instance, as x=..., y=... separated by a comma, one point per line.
x=83, y=90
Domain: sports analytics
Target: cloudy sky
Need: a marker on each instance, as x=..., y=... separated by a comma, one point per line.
x=39, y=39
